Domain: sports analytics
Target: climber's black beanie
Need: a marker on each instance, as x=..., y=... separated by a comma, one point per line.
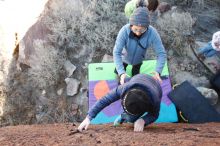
x=136, y=102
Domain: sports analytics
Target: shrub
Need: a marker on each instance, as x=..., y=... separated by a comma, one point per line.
x=174, y=28
x=93, y=24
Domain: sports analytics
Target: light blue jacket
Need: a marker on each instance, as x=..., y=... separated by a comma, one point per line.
x=131, y=50
x=208, y=50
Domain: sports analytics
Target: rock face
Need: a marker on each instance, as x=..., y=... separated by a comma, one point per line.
x=196, y=81
x=26, y=46
x=207, y=13
x=53, y=57
x=69, y=35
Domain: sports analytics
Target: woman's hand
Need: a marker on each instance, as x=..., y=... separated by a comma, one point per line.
x=156, y=76
x=122, y=78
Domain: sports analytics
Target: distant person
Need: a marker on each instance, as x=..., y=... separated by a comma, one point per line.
x=155, y=8
x=163, y=8
x=132, y=42
x=151, y=5
x=139, y=95
x=211, y=48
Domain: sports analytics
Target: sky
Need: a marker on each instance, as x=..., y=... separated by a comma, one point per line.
x=16, y=16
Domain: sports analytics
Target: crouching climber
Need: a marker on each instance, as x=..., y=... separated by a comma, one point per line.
x=140, y=99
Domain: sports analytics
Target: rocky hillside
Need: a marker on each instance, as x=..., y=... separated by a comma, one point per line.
x=46, y=80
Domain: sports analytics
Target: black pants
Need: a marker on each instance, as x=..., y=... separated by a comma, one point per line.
x=135, y=68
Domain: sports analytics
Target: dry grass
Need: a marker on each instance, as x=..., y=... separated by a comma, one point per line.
x=174, y=27
x=94, y=24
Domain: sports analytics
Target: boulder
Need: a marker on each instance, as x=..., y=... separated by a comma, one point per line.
x=72, y=86
x=210, y=94
x=69, y=67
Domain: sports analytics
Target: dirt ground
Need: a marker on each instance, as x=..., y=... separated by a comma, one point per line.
x=155, y=134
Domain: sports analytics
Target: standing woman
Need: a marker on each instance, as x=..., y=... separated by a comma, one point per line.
x=132, y=42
